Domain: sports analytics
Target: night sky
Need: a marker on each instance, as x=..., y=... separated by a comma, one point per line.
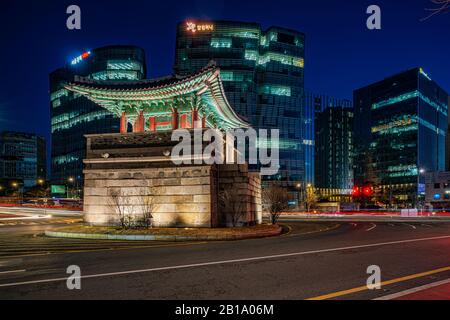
x=341, y=53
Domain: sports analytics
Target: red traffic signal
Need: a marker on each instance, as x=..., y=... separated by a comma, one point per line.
x=365, y=191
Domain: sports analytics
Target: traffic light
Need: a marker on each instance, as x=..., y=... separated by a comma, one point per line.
x=367, y=191
x=362, y=191
x=356, y=192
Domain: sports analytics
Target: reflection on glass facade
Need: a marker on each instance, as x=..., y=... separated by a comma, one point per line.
x=400, y=131
x=22, y=159
x=73, y=116
x=262, y=72
x=314, y=104
x=334, y=148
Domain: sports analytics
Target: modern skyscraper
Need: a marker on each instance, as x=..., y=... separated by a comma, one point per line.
x=400, y=129
x=263, y=77
x=334, y=148
x=314, y=104
x=22, y=159
x=73, y=115
x=447, y=142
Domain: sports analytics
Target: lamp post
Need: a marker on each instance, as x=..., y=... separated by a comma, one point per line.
x=298, y=186
x=70, y=180
x=422, y=172
x=17, y=185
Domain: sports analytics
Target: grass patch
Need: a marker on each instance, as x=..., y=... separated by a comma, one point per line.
x=171, y=231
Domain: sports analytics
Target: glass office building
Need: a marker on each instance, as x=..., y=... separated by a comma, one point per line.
x=334, y=148
x=22, y=160
x=263, y=76
x=400, y=132
x=315, y=104
x=73, y=116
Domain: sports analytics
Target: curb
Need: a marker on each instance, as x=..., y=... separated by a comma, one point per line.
x=99, y=236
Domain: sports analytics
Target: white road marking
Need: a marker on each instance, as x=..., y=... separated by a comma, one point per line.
x=371, y=228
x=413, y=290
x=12, y=271
x=214, y=263
x=410, y=225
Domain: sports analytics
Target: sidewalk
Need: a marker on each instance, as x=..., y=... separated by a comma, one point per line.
x=440, y=292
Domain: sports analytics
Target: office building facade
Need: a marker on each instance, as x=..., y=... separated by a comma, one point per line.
x=73, y=115
x=263, y=78
x=22, y=160
x=315, y=104
x=334, y=148
x=400, y=132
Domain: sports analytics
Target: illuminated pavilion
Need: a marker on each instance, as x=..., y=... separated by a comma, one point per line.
x=194, y=101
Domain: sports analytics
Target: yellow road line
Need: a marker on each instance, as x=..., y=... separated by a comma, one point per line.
x=384, y=283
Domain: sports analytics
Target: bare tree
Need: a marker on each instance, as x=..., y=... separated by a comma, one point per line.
x=442, y=6
x=148, y=207
x=121, y=206
x=127, y=209
x=276, y=200
x=232, y=205
x=311, y=198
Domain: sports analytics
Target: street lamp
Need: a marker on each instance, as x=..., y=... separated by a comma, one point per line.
x=71, y=180
x=19, y=189
x=298, y=186
x=421, y=196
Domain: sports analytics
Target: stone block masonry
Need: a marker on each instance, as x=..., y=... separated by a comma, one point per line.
x=126, y=172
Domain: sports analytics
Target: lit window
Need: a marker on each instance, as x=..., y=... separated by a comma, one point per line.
x=221, y=43
x=276, y=90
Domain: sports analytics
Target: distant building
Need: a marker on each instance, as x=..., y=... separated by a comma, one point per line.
x=334, y=148
x=22, y=160
x=447, y=142
x=263, y=78
x=315, y=104
x=73, y=116
x=400, y=132
x=437, y=189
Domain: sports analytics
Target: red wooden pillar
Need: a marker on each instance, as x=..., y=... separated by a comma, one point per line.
x=152, y=124
x=203, y=122
x=194, y=116
x=184, y=122
x=141, y=120
x=139, y=123
x=175, y=119
x=135, y=125
x=123, y=123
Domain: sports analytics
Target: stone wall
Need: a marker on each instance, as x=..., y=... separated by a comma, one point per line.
x=245, y=188
x=180, y=196
x=124, y=172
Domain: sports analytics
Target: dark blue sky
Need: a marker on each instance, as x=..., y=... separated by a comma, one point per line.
x=341, y=53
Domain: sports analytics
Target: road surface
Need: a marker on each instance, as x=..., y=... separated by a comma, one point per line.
x=326, y=265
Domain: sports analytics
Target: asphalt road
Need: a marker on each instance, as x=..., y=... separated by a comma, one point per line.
x=327, y=265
